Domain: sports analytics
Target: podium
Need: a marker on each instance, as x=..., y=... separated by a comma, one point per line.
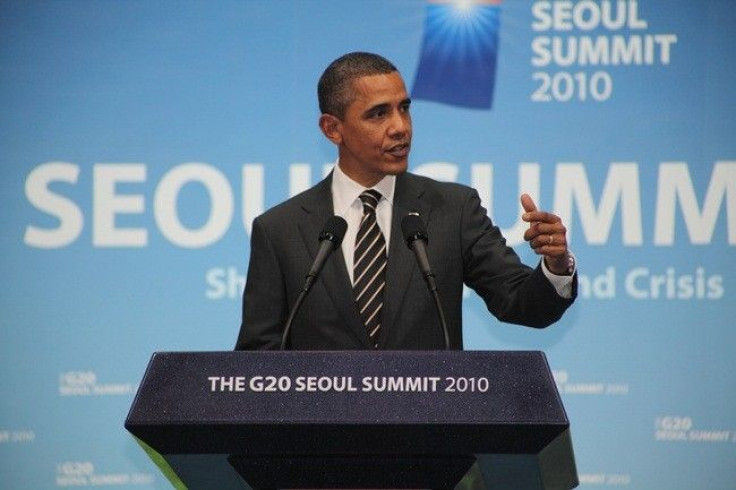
x=354, y=419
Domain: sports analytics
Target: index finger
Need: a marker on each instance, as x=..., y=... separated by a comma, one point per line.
x=540, y=217
x=528, y=203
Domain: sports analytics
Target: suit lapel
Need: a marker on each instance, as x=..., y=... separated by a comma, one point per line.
x=318, y=209
x=401, y=261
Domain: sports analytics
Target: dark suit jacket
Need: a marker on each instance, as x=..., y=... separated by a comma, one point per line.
x=464, y=247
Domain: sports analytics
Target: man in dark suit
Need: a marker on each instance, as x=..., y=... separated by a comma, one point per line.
x=375, y=296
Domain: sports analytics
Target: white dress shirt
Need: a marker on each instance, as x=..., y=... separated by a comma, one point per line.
x=346, y=203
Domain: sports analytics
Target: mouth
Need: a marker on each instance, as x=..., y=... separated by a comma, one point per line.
x=399, y=151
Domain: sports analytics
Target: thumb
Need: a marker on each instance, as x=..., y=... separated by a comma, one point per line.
x=528, y=203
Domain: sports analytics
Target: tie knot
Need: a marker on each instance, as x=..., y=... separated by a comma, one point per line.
x=370, y=200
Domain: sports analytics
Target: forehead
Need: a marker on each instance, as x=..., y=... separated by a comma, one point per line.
x=372, y=90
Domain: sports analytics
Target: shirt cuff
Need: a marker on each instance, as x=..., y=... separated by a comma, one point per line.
x=562, y=284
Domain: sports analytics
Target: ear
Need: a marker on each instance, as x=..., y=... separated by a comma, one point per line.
x=331, y=127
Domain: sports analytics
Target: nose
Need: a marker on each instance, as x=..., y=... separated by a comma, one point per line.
x=400, y=124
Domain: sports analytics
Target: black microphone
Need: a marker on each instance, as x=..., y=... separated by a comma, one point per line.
x=329, y=240
x=416, y=239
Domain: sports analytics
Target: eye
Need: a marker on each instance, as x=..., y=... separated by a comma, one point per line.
x=378, y=114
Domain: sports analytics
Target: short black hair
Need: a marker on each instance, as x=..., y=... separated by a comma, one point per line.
x=334, y=87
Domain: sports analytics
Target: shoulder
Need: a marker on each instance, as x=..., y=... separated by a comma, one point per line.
x=291, y=209
x=435, y=189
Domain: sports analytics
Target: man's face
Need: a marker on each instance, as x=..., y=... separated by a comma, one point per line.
x=374, y=136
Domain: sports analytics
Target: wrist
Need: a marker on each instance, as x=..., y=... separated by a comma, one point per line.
x=561, y=266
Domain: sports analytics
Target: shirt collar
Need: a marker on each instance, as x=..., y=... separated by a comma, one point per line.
x=345, y=191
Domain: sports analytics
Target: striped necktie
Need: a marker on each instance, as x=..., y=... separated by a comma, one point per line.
x=369, y=267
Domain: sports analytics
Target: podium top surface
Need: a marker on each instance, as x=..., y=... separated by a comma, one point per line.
x=348, y=387
x=260, y=395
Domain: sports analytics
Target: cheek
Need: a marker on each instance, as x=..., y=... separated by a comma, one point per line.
x=372, y=139
x=367, y=138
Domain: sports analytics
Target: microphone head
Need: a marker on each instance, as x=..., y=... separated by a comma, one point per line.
x=413, y=229
x=334, y=231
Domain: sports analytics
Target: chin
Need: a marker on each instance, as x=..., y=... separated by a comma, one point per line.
x=397, y=168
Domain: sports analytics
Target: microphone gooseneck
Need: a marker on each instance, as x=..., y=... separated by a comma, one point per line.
x=329, y=240
x=416, y=239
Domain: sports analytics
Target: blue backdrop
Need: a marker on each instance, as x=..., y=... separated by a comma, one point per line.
x=140, y=139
